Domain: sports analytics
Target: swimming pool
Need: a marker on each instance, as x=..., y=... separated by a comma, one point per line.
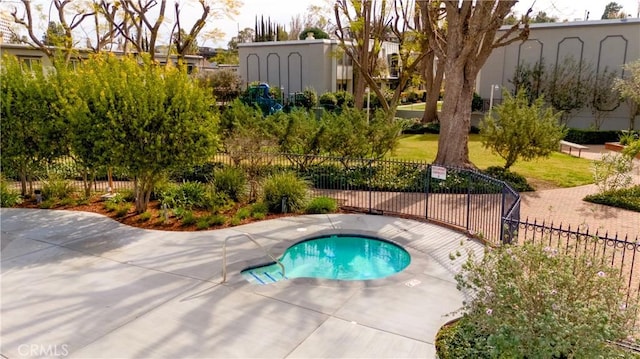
x=337, y=257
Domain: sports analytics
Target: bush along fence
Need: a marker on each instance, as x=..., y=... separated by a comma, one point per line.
x=622, y=254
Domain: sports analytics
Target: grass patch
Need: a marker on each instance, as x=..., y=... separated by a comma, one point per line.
x=626, y=198
x=560, y=169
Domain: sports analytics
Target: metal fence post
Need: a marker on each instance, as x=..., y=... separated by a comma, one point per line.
x=370, y=187
x=426, y=192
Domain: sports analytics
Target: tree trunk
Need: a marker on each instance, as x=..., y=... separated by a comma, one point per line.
x=23, y=181
x=433, y=84
x=455, y=120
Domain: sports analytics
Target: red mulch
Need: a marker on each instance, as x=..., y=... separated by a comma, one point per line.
x=95, y=205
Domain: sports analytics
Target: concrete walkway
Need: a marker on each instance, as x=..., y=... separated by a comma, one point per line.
x=80, y=285
x=565, y=205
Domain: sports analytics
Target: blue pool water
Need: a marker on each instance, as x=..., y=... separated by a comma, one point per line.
x=338, y=257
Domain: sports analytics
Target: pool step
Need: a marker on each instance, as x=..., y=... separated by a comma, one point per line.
x=261, y=277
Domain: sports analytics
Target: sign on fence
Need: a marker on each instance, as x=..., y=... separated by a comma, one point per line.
x=438, y=172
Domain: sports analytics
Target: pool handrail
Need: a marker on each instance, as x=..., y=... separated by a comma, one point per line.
x=245, y=234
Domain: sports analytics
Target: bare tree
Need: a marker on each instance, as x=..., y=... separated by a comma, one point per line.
x=64, y=9
x=604, y=100
x=361, y=39
x=471, y=35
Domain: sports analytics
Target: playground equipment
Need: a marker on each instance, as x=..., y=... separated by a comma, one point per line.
x=260, y=95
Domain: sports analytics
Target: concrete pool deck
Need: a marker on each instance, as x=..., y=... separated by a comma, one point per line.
x=81, y=285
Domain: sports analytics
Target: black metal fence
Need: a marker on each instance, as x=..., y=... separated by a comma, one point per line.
x=460, y=198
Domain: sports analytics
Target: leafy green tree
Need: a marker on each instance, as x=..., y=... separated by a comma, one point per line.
x=33, y=133
x=55, y=35
x=542, y=17
x=629, y=89
x=604, y=99
x=225, y=85
x=157, y=119
x=568, y=88
x=317, y=33
x=516, y=129
x=613, y=10
x=531, y=301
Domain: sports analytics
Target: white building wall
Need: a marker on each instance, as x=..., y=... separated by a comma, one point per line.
x=603, y=44
x=290, y=65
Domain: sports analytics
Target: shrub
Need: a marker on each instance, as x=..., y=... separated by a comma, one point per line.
x=235, y=221
x=8, y=196
x=259, y=210
x=590, y=137
x=202, y=223
x=284, y=189
x=328, y=100
x=144, y=216
x=216, y=220
x=627, y=137
x=519, y=130
x=110, y=206
x=68, y=201
x=573, y=303
x=231, y=181
x=612, y=172
x=56, y=187
x=243, y=213
x=122, y=209
x=627, y=198
x=322, y=205
x=517, y=181
x=317, y=33
x=47, y=203
x=344, y=99
x=188, y=218
x=477, y=103
x=188, y=195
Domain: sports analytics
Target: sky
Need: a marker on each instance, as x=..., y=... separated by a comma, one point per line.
x=281, y=11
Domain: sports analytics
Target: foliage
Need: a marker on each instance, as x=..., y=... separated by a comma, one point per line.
x=231, y=181
x=516, y=181
x=8, y=196
x=299, y=132
x=529, y=78
x=122, y=209
x=56, y=188
x=188, y=218
x=284, y=192
x=243, y=129
x=604, y=99
x=309, y=99
x=317, y=33
x=321, y=205
x=477, y=103
x=33, y=128
x=186, y=195
x=259, y=210
x=627, y=137
x=612, y=171
x=590, y=137
x=573, y=303
x=351, y=134
x=613, y=10
x=157, y=118
x=225, y=85
x=328, y=100
x=145, y=216
x=569, y=86
x=461, y=340
x=520, y=129
x=344, y=99
x=627, y=198
x=629, y=89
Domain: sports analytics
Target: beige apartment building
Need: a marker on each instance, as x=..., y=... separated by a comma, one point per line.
x=300, y=64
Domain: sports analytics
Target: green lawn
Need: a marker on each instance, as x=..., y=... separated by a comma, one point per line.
x=419, y=106
x=559, y=169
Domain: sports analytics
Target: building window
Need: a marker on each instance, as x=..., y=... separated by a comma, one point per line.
x=29, y=62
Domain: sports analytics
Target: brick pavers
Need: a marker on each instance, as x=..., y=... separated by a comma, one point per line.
x=565, y=205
